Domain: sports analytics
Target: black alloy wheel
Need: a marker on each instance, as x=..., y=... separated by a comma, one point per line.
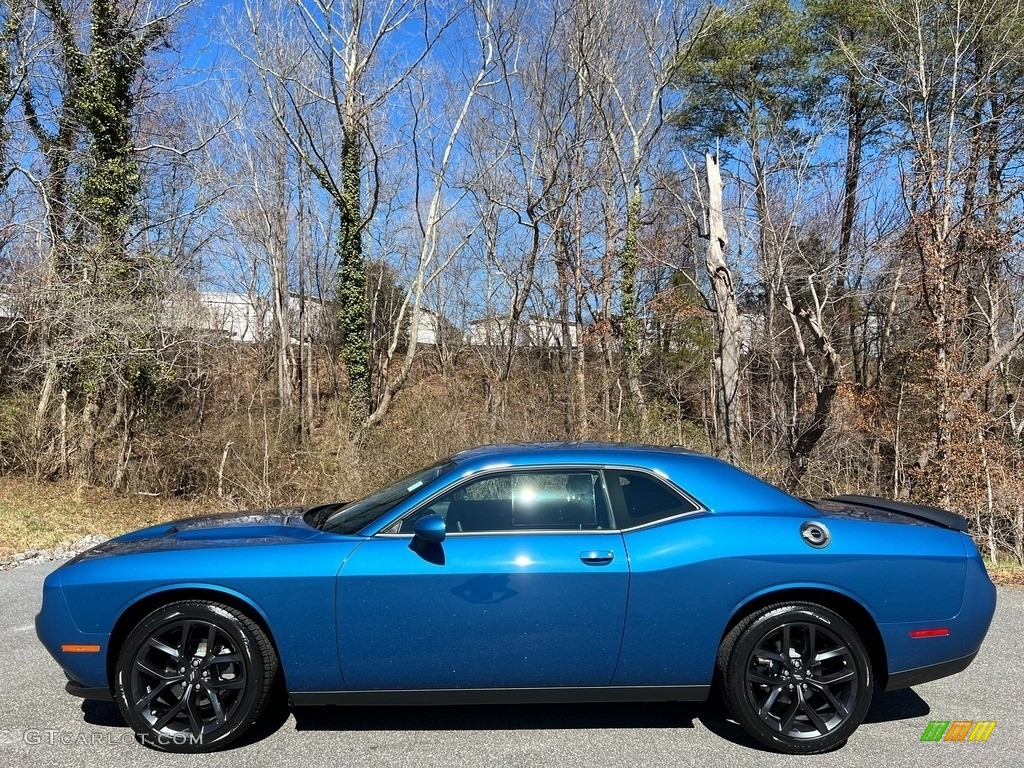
x=797, y=677
x=194, y=676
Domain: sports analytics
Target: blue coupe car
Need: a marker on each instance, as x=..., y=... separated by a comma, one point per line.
x=527, y=573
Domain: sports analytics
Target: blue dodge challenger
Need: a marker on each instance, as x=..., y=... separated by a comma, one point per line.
x=527, y=573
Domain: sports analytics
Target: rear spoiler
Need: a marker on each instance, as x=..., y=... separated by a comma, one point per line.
x=934, y=515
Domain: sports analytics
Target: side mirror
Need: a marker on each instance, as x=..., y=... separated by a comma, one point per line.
x=430, y=528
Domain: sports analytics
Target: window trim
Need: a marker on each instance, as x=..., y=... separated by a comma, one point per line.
x=665, y=481
x=561, y=468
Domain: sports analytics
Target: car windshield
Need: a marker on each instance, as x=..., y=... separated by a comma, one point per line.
x=348, y=518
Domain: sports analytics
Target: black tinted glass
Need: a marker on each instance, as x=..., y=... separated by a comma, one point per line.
x=571, y=500
x=644, y=499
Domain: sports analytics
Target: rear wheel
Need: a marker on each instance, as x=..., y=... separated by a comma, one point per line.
x=193, y=676
x=797, y=677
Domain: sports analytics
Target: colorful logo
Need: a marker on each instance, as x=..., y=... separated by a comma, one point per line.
x=958, y=730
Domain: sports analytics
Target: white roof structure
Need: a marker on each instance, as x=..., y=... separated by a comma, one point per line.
x=534, y=331
x=8, y=313
x=233, y=316
x=428, y=327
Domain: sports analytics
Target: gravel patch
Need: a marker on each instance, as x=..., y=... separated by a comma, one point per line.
x=60, y=552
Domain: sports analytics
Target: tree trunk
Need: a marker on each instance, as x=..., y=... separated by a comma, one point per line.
x=727, y=324
x=85, y=466
x=352, y=307
x=631, y=331
x=851, y=181
x=278, y=244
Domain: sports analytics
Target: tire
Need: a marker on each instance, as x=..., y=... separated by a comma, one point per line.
x=796, y=677
x=193, y=676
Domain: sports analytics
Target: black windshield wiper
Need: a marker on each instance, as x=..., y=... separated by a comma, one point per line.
x=316, y=516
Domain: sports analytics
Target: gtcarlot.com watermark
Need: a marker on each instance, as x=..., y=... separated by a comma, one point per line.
x=57, y=737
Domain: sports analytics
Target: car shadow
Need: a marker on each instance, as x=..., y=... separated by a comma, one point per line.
x=496, y=717
x=104, y=713
x=896, y=705
x=886, y=707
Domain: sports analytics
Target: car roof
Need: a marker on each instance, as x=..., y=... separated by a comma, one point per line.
x=578, y=450
x=715, y=484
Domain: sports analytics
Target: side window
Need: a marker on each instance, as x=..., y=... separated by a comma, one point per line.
x=524, y=501
x=495, y=488
x=640, y=499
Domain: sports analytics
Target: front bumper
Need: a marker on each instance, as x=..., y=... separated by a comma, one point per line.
x=75, y=688
x=56, y=629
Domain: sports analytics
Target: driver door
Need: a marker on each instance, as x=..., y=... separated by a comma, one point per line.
x=527, y=590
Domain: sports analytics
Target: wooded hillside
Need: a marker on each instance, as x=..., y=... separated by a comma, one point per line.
x=284, y=250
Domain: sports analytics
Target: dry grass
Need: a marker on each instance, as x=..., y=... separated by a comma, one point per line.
x=45, y=515
x=1006, y=574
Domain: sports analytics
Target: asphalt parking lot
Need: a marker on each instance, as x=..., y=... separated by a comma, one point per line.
x=40, y=725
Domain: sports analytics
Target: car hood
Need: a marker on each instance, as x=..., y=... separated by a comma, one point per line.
x=254, y=527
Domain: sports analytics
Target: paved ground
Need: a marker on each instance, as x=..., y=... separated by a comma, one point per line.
x=41, y=725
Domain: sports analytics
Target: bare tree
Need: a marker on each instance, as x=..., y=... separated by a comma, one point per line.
x=945, y=78
x=352, y=64
x=641, y=50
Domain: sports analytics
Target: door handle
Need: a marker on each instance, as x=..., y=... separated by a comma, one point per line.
x=597, y=556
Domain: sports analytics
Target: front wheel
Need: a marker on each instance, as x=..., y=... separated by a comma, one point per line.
x=796, y=677
x=193, y=676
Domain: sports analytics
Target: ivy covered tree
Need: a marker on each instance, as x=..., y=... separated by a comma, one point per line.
x=10, y=24
x=324, y=102
x=80, y=100
x=106, y=104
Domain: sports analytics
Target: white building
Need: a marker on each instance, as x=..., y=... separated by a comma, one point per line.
x=489, y=331
x=233, y=316
x=8, y=314
x=546, y=332
x=315, y=320
x=238, y=316
x=534, y=331
x=428, y=327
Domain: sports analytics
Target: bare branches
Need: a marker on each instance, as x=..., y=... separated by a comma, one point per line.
x=476, y=221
